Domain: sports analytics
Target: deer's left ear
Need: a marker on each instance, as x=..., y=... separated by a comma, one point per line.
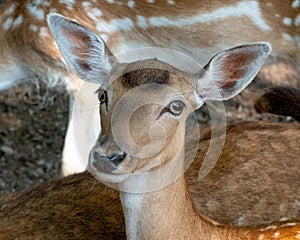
x=229, y=72
x=84, y=51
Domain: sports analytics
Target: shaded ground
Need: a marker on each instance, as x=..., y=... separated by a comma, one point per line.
x=31, y=136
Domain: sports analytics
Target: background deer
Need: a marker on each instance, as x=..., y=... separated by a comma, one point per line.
x=197, y=29
x=280, y=100
x=167, y=212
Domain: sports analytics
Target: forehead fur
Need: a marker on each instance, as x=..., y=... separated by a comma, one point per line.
x=145, y=72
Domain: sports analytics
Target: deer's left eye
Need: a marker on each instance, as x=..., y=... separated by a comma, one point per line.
x=102, y=96
x=176, y=107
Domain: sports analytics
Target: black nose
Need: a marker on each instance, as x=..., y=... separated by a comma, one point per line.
x=117, y=159
x=107, y=164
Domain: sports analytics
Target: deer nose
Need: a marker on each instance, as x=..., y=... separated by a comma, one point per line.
x=107, y=163
x=117, y=159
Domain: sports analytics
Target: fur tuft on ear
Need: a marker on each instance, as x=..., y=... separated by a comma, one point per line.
x=230, y=71
x=85, y=52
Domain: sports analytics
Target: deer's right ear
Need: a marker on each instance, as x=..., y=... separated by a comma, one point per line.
x=85, y=52
x=230, y=71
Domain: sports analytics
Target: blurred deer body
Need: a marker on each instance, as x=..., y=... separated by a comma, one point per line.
x=198, y=29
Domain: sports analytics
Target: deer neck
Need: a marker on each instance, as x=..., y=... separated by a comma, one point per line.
x=160, y=214
x=169, y=213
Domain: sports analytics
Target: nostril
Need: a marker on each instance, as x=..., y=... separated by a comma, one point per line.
x=117, y=159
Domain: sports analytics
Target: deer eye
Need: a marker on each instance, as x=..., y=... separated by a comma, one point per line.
x=102, y=96
x=176, y=107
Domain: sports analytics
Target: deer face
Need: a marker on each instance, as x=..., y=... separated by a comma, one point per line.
x=144, y=105
x=143, y=112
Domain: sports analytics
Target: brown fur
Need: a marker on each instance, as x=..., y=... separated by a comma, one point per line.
x=74, y=207
x=280, y=100
x=256, y=180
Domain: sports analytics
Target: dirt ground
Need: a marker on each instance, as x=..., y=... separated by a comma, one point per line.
x=31, y=137
x=32, y=131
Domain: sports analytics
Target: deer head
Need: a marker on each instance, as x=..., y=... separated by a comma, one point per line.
x=144, y=104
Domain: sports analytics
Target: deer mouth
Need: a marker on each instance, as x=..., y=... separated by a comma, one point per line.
x=108, y=169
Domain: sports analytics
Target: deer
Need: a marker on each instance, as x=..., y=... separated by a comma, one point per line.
x=280, y=100
x=198, y=29
x=165, y=211
x=81, y=207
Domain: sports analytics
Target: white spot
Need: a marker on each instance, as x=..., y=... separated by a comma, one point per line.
x=8, y=23
x=94, y=13
x=150, y=1
x=131, y=4
x=283, y=219
x=288, y=224
x=296, y=4
x=170, y=2
x=130, y=45
x=52, y=10
x=37, y=12
x=297, y=21
x=261, y=237
x=245, y=8
x=142, y=22
x=35, y=3
x=10, y=10
x=115, y=25
x=45, y=3
x=277, y=15
x=272, y=227
x=69, y=3
x=34, y=28
x=110, y=1
x=86, y=4
x=276, y=235
x=18, y=21
x=287, y=21
x=43, y=32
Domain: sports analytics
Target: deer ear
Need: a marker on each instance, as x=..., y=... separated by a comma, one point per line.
x=229, y=72
x=85, y=52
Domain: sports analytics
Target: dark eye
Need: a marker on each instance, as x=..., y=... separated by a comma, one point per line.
x=176, y=107
x=102, y=96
